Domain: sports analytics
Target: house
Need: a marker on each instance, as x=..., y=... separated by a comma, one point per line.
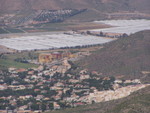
x=106, y=78
x=73, y=81
x=49, y=57
x=83, y=71
x=35, y=90
x=23, y=107
x=21, y=70
x=69, y=75
x=54, y=67
x=22, y=97
x=34, y=77
x=12, y=70
x=84, y=76
x=83, y=99
x=3, y=111
x=65, y=89
x=136, y=81
x=25, y=111
x=94, y=72
x=13, y=87
x=56, y=106
x=78, y=104
x=145, y=72
x=117, y=81
x=60, y=93
x=46, y=99
x=56, y=88
x=73, y=97
x=30, y=86
x=116, y=86
x=13, y=102
x=39, y=84
x=127, y=81
x=30, y=72
x=46, y=72
x=3, y=87
x=57, y=97
x=40, y=74
x=21, y=87
x=58, y=84
x=39, y=97
x=28, y=96
x=44, y=91
x=40, y=68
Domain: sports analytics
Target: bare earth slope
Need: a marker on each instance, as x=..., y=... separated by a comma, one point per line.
x=100, y=5
x=127, y=56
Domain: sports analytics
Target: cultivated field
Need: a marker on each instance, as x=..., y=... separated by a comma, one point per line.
x=60, y=40
x=49, y=41
x=124, y=26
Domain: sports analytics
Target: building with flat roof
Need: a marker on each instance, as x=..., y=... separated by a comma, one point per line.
x=49, y=57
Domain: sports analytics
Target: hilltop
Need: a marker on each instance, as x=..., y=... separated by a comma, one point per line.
x=126, y=57
x=97, y=9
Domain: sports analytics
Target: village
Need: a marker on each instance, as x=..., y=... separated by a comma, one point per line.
x=54, y=86
x=74, y=56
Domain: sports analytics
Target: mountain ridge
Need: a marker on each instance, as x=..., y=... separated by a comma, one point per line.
x=100, y=5
x=126, y=57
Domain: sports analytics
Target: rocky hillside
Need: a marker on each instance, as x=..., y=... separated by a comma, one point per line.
x=138, y=102
x=127, y=57
x=97, y=5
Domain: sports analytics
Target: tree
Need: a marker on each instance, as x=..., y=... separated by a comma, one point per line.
x=51, y=106
x=124, y=35
x=22, y=75
x=88, y=32
x=101, y=33
x=35, y=106
x=43, y=107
